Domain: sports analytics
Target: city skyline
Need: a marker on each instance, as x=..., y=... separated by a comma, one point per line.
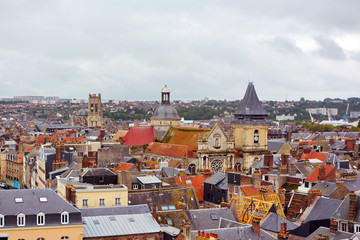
x=130, y=50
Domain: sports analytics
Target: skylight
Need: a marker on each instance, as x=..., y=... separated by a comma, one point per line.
x=213, y=216
x=19, y=200
x=43, y=199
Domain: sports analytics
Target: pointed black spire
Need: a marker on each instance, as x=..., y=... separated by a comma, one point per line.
x=250, y=108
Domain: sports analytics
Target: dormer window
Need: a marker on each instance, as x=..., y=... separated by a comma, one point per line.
x=21, y=219
x=2, y=220
x=64, y=218
x=40, y=219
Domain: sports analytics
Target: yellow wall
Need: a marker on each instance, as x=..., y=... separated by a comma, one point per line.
x=244, y=137
x=74, y=232
x=93, y=197
x=40, y=175
x=3, y=166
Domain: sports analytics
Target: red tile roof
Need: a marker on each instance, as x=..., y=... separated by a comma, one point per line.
x=124, y=166
x=250, y=190
x=139, y=136
x=314, y=176
x=314, y=155
x=184, y=136
x=41, y=139
x=119, y=134
x=173, y=150
x=196, y=181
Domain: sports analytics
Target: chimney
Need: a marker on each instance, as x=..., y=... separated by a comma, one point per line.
x=85, y=161
x=282, y=196
x=58, y=153
x=154, y=210
x=187, y=231
x=283, y=232
x=256, y=179
x=307, y=150
x=263, y=192
x=292, y=170
x=340, y=185
x=256, y=225
x=312, y=195
x=331, y=141
x=283, y=170
x=268, y=161
x=288, y=136
x=349, y=144
x=333, y=226
x=322, y=173
x=284, y=160
x=352, y=205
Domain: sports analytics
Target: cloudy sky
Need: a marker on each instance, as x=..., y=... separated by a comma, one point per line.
x=128, y=50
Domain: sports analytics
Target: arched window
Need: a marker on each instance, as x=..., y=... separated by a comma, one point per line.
x=237, y=167
x=192, y=168
x=21, y=219
x=64, y=218
x=256, y=136
x=40, y=218
x=64, y=238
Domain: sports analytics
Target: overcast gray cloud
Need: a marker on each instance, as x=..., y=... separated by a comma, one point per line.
x=130, y=49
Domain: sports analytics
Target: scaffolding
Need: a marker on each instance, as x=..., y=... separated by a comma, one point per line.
x=248, y=208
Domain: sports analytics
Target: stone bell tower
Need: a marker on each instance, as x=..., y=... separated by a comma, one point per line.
x=251, y=127
x=94, y=111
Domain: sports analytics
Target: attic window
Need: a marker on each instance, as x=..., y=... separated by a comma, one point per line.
x=213, y=216
x=43, y=199
x=19, y=200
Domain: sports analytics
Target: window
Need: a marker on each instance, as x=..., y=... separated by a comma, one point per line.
x=213, y=216
x=101, y=202
x=64, y=218
x=40, y=238
x=343, y=227
x=117, y=201
x=18, y=200
x=43, y=199
x=21, y=219
x=2, y=220
x=85, y=202
x=256, y=136
x=101, y=178
x=307, y=184
x=357, y=228
x=40, y=219
x=135, y=186
x=235, y=190
x=64, y=238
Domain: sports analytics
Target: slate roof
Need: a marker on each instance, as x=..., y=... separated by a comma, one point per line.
x=165, y=111
x=104, y=211
x=250, y=104
x=31, y=204
x=172, y=172
x=139, y=136
x=208, y=218
x=343, y=211
x=173, y=150
x=233, y=233
x=98, y=172
x=325, y=187
x=218, y=179
x=119, y=225
x=324, y=230
x=276, y=161
x=148, y=179
x=323, y=209
x=272, y=222
x=164, y=196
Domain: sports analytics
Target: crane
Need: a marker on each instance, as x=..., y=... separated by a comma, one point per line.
x=346, y=113
x=311, y=117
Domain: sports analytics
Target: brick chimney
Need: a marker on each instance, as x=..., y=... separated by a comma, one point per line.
x=331, y=140
x=322, y=173
x=284, y=160
x=340, y=185
x=154, y=210
x=307, y=150
x=256, y=225
x=352, y=205
x=283, y=232
x=288, y=136
x=85, y=161
x=256, y=179
x=349, y=144
x=293, y=153
x=58, y=153
x=269, y=160
x=292, y=170
x=312, y=195
x=333, y=226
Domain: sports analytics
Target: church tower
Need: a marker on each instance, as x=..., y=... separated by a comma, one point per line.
x=251, y=127
x=165, y=116
x=94, y=111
